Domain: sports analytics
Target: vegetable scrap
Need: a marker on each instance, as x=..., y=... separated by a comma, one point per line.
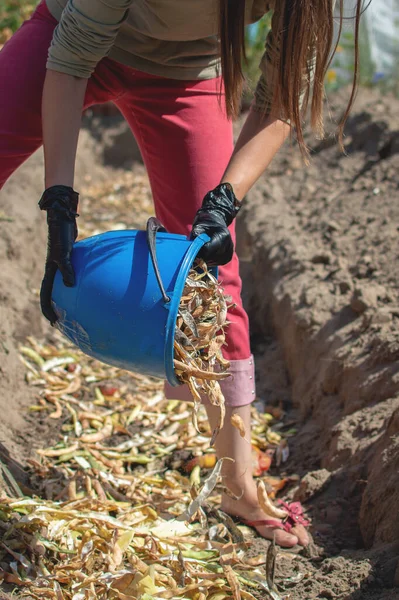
x=199, y=337
x=261, y=462
x=266, y=504
x=205, y=461
x=238, y=423
x=112, y=517
x=271, y=556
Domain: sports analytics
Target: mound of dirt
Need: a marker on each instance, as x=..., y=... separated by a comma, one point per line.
x=322, y=274
x=22, y=252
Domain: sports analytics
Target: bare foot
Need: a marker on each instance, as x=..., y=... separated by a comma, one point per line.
x=248, y=509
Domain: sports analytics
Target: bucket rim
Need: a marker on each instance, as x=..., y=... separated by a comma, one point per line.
x=173, y=306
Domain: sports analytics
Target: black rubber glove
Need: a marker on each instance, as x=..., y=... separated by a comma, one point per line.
x=61, y=203
x=218, y=210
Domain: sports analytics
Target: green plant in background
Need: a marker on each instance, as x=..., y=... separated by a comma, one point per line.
x=342, y=68
x=12, y=14
x=255, y=38
x=343, y=64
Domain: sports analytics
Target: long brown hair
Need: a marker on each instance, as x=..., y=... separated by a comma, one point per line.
x=305, y=30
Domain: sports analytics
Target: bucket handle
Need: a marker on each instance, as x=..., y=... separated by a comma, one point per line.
x=153, y=226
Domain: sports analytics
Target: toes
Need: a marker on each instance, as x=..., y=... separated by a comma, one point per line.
x=283, y=538
x=300, y=532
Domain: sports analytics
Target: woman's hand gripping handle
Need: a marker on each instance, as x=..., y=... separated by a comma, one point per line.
x=219, y=209
x=61, y=203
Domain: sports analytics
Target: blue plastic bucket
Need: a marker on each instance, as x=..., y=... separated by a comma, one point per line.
x=123, y=307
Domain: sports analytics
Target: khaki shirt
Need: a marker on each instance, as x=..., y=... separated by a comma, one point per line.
x=176, y=39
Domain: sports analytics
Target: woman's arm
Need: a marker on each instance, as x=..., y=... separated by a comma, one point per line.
x=259, y=140
x=84, y=35
x=262, y=134
x=62, y=105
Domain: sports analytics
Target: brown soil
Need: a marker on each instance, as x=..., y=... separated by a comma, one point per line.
x=321, y=276
x=320, y=270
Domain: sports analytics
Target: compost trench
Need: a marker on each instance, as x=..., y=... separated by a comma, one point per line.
x=320, y=267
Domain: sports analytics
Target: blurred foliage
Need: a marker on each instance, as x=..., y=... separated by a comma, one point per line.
x=12, y=14
x=255, y=38
x=342, y=67
x=341, y=71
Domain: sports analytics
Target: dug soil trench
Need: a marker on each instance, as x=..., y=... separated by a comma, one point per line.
x=321, y=274
x=320, y=268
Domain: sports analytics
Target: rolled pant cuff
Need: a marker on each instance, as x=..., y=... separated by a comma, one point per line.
x=238, y=390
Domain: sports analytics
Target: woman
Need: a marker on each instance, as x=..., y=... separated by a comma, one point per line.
x=174, y=70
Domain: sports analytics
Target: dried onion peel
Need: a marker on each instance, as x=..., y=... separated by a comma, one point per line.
x=199, y=337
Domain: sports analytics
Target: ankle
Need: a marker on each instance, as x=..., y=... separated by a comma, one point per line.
x=239, y=486
x=243, y=496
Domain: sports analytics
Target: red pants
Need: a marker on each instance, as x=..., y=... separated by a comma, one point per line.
x=183, y=134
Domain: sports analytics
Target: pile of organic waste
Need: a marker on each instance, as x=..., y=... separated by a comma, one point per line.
x=124, y=488
x=111, y=513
